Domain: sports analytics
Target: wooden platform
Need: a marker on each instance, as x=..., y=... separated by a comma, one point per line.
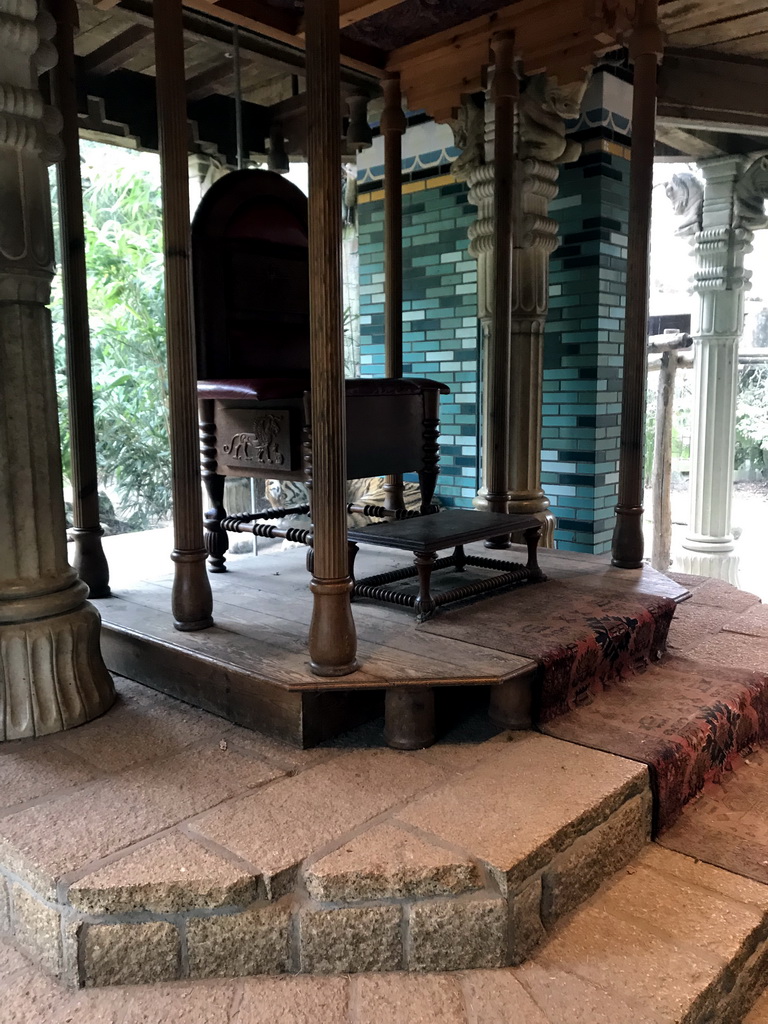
x=252, y=666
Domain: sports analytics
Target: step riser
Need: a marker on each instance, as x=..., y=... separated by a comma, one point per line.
x=499, y=924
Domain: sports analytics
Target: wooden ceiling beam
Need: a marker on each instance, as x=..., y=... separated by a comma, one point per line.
x=116, y=51
x=268, y=21
x=724, y=30
x=352, y=11
x=712, y=88
x=682, y=15
x=686, y=142
x=550, y=35
x=201, y=84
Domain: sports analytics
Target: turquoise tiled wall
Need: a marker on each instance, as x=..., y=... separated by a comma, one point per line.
x=440, y=326
x=583, y=351
x=583, y=341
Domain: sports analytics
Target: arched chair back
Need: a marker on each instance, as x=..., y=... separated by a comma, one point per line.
x=251, y=279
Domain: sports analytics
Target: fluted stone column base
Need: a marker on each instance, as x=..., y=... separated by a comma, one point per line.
x=721, y=565
x=52, y=676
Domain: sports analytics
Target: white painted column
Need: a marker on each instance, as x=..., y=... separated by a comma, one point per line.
x=720, y=281
x=52, y=676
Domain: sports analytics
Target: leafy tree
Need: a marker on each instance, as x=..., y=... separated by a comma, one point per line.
x=124, y=256
x=752, y=418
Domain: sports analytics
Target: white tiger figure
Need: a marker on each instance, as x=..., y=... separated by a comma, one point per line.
x=364, y=491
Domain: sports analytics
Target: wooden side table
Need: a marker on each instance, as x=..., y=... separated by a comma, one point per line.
x=452, y=528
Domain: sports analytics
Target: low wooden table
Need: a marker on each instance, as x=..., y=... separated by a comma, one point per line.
x=426, y=535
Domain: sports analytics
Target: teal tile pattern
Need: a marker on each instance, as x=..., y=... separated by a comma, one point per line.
x=440, y=325
x=583, y=351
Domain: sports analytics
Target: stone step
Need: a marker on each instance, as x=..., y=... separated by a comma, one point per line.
x=666, y=941
x=759, y=1012
x=214, y=862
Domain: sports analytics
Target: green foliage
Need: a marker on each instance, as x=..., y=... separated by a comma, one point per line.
x=124, y=255
x=681, y=425
x=752, y=418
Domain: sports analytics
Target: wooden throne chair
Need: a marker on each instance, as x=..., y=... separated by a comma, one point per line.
x=251, y=307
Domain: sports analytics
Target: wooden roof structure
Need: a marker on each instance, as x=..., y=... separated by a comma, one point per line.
x=712, y=97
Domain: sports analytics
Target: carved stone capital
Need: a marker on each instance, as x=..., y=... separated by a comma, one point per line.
x=28, y=142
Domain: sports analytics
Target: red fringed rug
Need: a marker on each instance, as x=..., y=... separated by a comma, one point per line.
x=598, y=686
x=686, y=720
x=583, y=638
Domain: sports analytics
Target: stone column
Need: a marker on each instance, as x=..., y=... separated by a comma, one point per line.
x=732, y=207
x=52, y=676
x=541, y=146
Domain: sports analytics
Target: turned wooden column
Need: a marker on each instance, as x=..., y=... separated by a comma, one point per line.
x=89, y=559
x=505, y=93
x=191, y=599
x=332, y=637
x=52, y=676
x=645, y=49
x=393, y=126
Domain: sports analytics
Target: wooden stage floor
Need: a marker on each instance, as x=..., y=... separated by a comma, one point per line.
x=252, y=666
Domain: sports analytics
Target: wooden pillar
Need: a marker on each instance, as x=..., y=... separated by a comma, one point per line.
x=505, y=93
x=393, y=126
x=646, y=47
x=662, y=463
x=191, y=599
x=669, y=347
x=89, y=560
x=332, y=638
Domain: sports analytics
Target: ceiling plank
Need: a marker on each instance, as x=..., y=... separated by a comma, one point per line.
x=268, y=21
x=722, y=31
x=686, y=142
x=711, y=92
x=352, y=11
x=752, y=46
x=201, y=85
x=112, y=55
x=681, y=15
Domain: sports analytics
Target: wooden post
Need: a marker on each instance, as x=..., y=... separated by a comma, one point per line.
x=332, y=637
x=646, y=47
x=89, y=559
x=662, y=449
x=505, y=93
x=662, y=464
x=191, y=600
x=393, y=126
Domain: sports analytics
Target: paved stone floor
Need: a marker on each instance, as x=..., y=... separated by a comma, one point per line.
x=161, y=842
x=665, y=939
x=659, y=944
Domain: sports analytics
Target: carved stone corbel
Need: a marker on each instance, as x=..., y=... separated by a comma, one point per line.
x=686, y=193
x=52, y=676
x=469, y=136
x=750, y=194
